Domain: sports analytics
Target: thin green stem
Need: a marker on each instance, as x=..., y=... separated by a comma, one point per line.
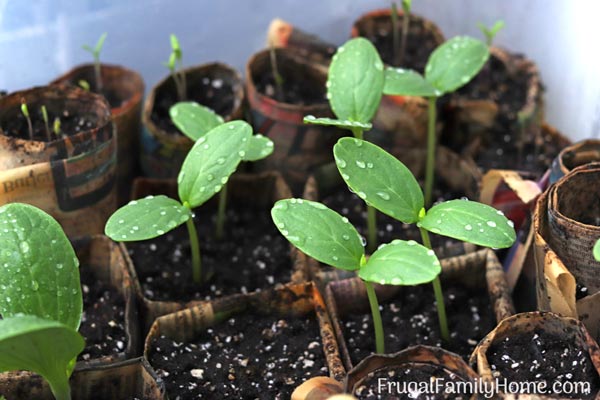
x=439, y=295
x=358, y=133
x=98, y=73
x=395, y=34
x=377, y=324
x=405, y=25
x=195, y=247
x=60, y=388
x=430, y=166
x=371, y=228
x=221, y=212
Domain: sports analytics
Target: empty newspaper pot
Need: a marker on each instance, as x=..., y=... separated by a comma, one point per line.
x=385, y=374
x=107, y=269
x=124, y=90
x=300, y=148
x=291, y=301
x=580, y=153
x=566, y=229
x=260, y=190
x=131, y=379
x=217, y=86
x=528, y=331
x=71, y=177
x=474, y=270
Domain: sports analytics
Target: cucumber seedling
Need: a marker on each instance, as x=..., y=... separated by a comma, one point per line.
x=97, y=66
x=175, y=65
x=276, y=75
x=451, y=66
x=46, y=124
x=326, y=236
x=82, y=83
x=355, y=83
x=41, y=302
x=194, y=120
x=25, y=112
x=490, y=33
x=386, y=184
x=399, y=45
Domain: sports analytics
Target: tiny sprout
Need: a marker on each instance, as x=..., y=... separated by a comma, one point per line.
x=46, y=126
x=96, y=54
x=490, y=33
x=597, y=251
x=56, y=126
x=178, y=76
x=399, y=54
x=25, y=112
x=276, y=75
x=84, y=85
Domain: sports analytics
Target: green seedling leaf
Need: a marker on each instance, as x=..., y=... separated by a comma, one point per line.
x=193, y=119
x=355, y=81
x=42, y=346
x=320, y=232
x=311, y=119
x=471, y=222
x=455, y=63
x=406, y=5
x=406, y=82
x=39, y=272
x=100, y=43
x=597, y=251
x=24, y=110
x=491, y=33
x=378, y=178
x=401, y=263
x=259, y=147
x=175, y=47
x=210, y=162
x=146, y=218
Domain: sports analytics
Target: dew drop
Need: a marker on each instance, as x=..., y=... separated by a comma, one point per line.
x=510, y=223
x=341, y=163
x=218, y=188
x=345, y=176
x=24, y=247
x=210, y=177
x=491, y=224
x=231, y=127
x=160, y=232
x=221, y=160
x=224, y=180
x=346, y=237
x=369, y=165
x=310, y=117
x=133, y=202
x=59, y=266
x=335, y=258
x=362, y=195
x=35, y=286
x=121, y=221
x=499, y=212
x=468, y=227
x=383, y=195
x=241, y=153
x=345, y=220
x=361, y=164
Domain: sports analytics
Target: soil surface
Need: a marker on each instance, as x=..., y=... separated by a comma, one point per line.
x=295, y=89
x=216, y=94
x=247, y=357
x=252, y=255
x=103, y=318
x=70, y=124
x=411, y=318
x=541, y=356
x=407, y=383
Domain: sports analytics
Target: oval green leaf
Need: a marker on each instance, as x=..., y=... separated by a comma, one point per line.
x=471, y=222
x=597, y=251
x=406, y=82
x=355, y=81
x=345, y=124
x=454, y=63
x=42, y=346
x=259, y=147
x=378, y=178
x=401, y=263
x=39, y=271
x=146, y=218
x=210, y=162
x=320, y=232
x=194, y=120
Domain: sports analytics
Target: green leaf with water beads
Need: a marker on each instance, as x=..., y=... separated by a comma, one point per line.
x=210, y=162
x=401, y=263
x=42, y=346
x=259, y=147
x=380, y=179
x=39, y=271
x=194, y=120
x=320, y=232
x=455, y=62
x=345, y=124
x=471, y=222
x=146, y=218
x=406, y=82
x=597, y=251
x=355, y=81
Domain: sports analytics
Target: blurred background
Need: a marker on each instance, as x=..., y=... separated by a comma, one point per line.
x=40, y=39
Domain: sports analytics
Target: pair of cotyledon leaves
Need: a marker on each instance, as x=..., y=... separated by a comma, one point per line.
x=357, y=78
x=218, y=149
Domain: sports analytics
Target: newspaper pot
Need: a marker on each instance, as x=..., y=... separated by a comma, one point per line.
x=108, y=270
x=293, y=301
x=527, y=331
x=124, y=90
x=217, y=86
x=300, y=149
x=131, y=379
x=474, y=270
x=72, y=177
x=260, y=190
x=408, y=365
x=482, y=116
x=566, y=229
x=580, y=153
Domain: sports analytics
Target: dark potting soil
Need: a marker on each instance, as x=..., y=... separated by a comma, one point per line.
x=408, y=383
x=216, y=94
x=247, y=357
x=103, y=318
x=540, y=356
x=411, y=318
x=294, y=89
x=252, y=255
x=70, y=124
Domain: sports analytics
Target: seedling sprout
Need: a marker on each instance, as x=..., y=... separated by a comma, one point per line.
x=84, y=85
x=56, y=126
x=276, y=75
x=398, y=54
x=97, y=67
x=25, y=112
x=597, y=251
x=490, y=33
x=46, y=125
x=175, y=65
